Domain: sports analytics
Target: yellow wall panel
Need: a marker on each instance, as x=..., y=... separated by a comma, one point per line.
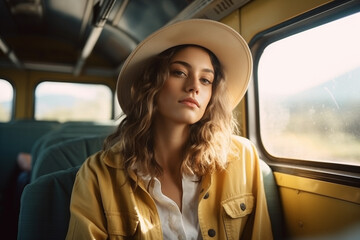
x=259, y=15
x=317, y=208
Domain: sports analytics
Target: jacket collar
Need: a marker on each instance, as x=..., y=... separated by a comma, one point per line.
x=113, y=159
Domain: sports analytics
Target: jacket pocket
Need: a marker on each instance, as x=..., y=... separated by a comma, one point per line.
x=121, y=224
x=236, y=211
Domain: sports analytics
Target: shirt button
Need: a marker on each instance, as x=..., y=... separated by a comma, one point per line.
x=211, y=233
x=206, y=195
x=243, y=206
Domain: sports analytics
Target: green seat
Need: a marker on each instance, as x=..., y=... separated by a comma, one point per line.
x=273, y=202
x=44, y=209
x=16, y=136
x=44, y=212
x=70, y=130
x=67, y=154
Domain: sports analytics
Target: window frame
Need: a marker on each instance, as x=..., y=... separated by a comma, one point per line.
x=332, y=172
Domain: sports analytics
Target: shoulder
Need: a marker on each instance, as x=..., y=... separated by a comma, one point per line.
x=241, y=143
x=241, y=169
x=101, y=173
x=240, y=140
x=102, y=163
x=242, y=149
x=105, y=158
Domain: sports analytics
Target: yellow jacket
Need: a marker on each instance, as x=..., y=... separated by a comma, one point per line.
x=106, y=204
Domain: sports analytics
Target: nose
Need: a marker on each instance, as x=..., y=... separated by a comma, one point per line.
x=192, y=85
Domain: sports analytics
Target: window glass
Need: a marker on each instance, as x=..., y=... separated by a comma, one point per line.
x=72, y=102
x=6, y=100
x=309, y=94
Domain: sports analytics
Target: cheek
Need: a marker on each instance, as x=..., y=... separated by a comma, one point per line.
x=205, y=99
x=166, y=93
x=207, y=96
x=165, y=98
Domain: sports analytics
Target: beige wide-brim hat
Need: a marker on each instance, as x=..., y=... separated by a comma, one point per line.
x=229, y=47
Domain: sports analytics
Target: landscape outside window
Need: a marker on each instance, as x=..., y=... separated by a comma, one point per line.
x=309, y=98
x=64, y=101
x=6, y=100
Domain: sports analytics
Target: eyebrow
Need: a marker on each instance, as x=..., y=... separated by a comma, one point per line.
x=189, y=66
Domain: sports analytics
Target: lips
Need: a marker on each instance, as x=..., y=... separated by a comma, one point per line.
x=190, y=102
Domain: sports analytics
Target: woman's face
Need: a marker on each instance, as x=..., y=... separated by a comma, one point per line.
x=187, y=91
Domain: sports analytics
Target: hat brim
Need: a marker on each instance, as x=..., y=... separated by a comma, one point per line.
x=228, y=46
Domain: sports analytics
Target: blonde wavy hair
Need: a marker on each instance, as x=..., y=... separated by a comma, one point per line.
x=209, y=139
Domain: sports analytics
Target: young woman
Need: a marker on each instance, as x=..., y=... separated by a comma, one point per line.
x=174, y=169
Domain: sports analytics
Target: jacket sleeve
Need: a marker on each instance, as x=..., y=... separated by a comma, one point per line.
x=87, y=219
x=259, y=225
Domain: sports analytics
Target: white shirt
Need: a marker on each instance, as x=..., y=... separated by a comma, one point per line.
x=175, y=224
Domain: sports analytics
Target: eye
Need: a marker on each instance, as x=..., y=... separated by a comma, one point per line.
x=206, y=81
x=178, y=73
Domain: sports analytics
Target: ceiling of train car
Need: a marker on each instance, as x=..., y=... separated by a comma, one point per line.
x=39, y=32
x=87, y=35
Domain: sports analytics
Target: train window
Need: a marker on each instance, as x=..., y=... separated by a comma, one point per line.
x=64, y=101
x=6, y=100
x=308, y=88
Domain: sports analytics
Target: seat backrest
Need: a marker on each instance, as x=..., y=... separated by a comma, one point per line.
x=70, y=153
x=15, y=137
x=273, y=202
x=45, y=204
x=70, y=130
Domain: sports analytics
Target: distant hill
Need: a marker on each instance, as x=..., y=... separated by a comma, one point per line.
x=333, y=106
x=338, y=92
x=47, y=102
x=6, y=105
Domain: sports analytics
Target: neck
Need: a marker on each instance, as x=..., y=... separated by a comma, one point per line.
x=169, y=141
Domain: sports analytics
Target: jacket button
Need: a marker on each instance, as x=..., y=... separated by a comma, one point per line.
x=243, y=206
x=211, y=233
x=206, y=195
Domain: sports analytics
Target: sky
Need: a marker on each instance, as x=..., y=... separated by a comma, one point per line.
x=308, y=59
x=6, y=93
x=82, y=91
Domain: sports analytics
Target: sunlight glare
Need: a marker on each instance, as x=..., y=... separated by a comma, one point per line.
x=82, y=91
x=6, y=91
x=286, y=70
